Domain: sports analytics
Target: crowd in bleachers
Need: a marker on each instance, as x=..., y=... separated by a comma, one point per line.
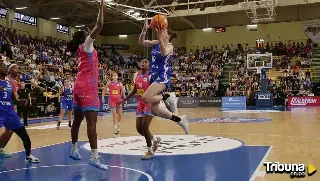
x=46, y=62
x=290, y=58
x=199, y=73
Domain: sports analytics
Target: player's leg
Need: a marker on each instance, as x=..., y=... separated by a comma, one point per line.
x=4, y=139
x=62, y=112
x=113, y=108
x=153, y=97
x=149, y=137
x=156, y=95
x=139, y=118
x=119, y=113
x=90, y=111
x=70, y=114
x=77, y=120
x=14, y=124
x=148, y=117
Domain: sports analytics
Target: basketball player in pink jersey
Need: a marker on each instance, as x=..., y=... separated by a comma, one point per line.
x=5, y=137
x=116, y=90
x=86, y=101
x=144, y=115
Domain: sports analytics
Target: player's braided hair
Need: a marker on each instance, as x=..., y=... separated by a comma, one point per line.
x=77, y=39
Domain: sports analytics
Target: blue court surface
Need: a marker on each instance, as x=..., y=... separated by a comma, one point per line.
x=180, y=158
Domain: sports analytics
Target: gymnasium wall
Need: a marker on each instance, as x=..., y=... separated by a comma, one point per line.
x=3, y=21
x=274, y=32
x=193, y=38
x=43, y=29
x=131, y=40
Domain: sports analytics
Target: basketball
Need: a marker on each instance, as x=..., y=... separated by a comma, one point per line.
x=159, y=21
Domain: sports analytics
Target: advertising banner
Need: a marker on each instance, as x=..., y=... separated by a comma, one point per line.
x=188, y=102
x=264, y=99
x=210, y=101
x=304, y=101
x=131, y=104
x=234, y=102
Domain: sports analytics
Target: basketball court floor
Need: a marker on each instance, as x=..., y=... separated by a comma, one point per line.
x=229, y=145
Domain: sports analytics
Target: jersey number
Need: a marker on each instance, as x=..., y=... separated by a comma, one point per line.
x=153, y=58
x=5, y=95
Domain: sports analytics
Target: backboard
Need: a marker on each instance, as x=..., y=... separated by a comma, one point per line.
x=256, y=61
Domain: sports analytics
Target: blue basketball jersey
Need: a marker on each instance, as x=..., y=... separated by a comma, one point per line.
x=67, y=94
x=159, y=63
x=6, y=103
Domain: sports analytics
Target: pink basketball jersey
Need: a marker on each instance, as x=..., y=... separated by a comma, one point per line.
x=88, y=75
x=14, y=82
x=114, y=89
x=142, y=83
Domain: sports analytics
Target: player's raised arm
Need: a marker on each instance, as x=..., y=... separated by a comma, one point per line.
x=142, y=37
x=100, y=21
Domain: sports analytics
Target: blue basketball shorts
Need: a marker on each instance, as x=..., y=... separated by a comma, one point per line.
x=67, y=105
x=10, y=120
x=160, y=77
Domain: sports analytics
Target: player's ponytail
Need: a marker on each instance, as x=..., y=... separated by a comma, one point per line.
x=77, y=39
x=172, y=34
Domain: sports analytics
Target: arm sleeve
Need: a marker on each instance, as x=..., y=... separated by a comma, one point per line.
x=88, y=45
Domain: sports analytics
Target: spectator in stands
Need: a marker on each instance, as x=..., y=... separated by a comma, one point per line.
x=51, y=110
x=25, y=102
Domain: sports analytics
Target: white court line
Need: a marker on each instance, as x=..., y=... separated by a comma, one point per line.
x=43, y=146
x=257, y=172
x=143, y=173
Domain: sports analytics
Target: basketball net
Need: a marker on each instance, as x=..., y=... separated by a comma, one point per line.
x=259, y=69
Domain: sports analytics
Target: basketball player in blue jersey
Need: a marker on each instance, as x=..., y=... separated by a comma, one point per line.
x=66, y=102
x=160, y=75
x=9, y=117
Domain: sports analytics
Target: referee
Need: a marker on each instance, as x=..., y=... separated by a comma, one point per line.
x=25, y=102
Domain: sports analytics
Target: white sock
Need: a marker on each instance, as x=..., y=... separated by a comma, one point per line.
x=150, y=149
x=154, y=139
x=75, y=147
x=95, y=153
x=116, y=126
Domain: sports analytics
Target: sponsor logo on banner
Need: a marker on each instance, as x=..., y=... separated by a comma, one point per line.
x=210, y=101
x=229, y=120
x=312, y=30
x=304, y=101
x=131, y=103
x=234, y=102
x=264, y=96
x=170, y=145
x=188, y=102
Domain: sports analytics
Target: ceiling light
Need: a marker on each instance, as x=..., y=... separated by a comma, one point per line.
x=252, y=26
x=79, y=26
x=130, y=11
x=108, y=1
x=140, y=19
x=22, y=8
x=207, y=29
x=123, y=36
x=54, y=18
x=136, y=14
